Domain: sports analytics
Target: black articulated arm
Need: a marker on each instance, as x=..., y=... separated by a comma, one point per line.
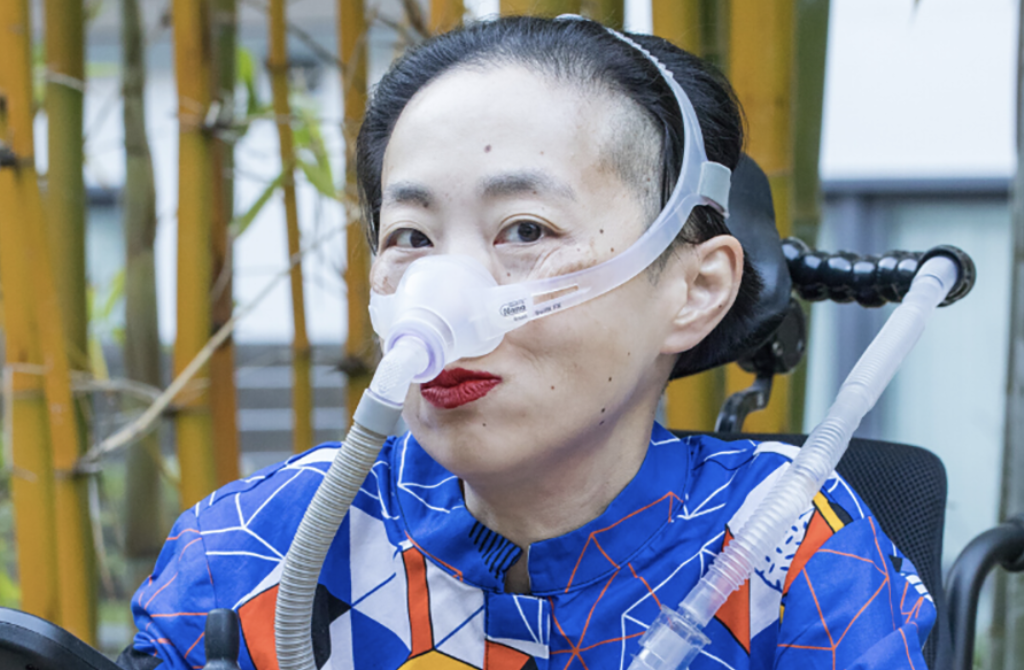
x=872, y=281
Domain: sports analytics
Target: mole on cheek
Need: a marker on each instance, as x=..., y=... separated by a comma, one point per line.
x=487, y=149
x=603, y=409
x=552, y=388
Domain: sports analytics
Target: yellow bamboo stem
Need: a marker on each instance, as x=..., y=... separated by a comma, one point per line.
x=611, y=13
x=223, y=394
x=692, y=402
x=360, y=349
x=65, y=196
x=547, y=8
x=679, y=21
x=192, y=420
x=761, y=70
x=32, y=476
x=75, y=551
x=811, y=42
x=445, y=15
x=302, y=390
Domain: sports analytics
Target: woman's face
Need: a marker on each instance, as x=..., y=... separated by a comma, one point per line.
x=503, y=165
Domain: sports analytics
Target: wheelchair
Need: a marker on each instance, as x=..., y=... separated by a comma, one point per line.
x=912, y=517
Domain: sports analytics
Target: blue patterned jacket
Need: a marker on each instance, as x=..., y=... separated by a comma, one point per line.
x=413, y=581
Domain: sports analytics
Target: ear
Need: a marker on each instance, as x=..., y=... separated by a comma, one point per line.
x=705, y=287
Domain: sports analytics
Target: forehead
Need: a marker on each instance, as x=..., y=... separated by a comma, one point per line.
x=500, y=118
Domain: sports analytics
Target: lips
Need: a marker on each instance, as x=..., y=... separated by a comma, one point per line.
x=458, y=386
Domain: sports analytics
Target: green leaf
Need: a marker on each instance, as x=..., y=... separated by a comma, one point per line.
x=308, y=128
x=319, y=178
x=239, y=224
x=245, y=69
x=115, y=293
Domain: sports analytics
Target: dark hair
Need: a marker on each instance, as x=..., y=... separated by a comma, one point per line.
x=585, y=54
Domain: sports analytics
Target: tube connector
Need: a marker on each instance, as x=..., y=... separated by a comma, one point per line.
x=966, y=271
x=672, y=641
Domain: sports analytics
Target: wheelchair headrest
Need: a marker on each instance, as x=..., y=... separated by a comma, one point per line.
x=752, y=222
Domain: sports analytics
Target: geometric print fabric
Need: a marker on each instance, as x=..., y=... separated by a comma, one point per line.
x=412, y=581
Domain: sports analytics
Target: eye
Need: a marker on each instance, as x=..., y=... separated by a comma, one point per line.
x=521, y=232
x=408, y=238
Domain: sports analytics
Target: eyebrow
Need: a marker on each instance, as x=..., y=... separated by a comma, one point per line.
x=406, y=193
x=517, y=183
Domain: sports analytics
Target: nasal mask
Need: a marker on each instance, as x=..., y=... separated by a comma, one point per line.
x=454, y=306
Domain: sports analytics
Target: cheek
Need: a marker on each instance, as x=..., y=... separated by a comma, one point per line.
x=385, y=275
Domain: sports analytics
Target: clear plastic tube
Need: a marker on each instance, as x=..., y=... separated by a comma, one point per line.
x=676, y=638
x=378, y=411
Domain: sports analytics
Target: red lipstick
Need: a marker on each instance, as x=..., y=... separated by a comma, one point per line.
x=458, y=386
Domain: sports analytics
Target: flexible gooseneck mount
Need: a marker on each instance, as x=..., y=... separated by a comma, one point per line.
x=871, y=281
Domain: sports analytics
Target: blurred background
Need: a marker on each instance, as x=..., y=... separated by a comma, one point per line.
x=190, y=181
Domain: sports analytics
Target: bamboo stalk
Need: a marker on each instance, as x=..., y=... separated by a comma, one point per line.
x=715, y=30
x=360, y=349
x=1006, y=633
x=65, y=195
x=33, y=484
x=63, y=234
x=549, y=8
x=445, y=15
x=25, y=408
x=679, y=22
x=691, y=402
x=761, y=35
x=302, y=389
x=76, y=556
x=143, y=534
x=192, y=67
x=223, y=395
x=611, y=13
x=808, y=98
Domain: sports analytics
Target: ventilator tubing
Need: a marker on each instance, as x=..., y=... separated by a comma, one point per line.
x=675, y=639
x=374, y=418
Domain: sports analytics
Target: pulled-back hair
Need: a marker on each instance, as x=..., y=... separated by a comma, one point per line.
x=582, y=54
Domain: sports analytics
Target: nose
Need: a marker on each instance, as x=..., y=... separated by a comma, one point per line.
x=470, y=242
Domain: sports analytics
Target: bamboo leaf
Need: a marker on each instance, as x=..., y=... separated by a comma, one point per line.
x=115, y=293
x=245, y=66
x=239, y=224
x=319, y=178
x=312, y=142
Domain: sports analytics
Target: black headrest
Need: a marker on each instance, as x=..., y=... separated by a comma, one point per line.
x=752, y=221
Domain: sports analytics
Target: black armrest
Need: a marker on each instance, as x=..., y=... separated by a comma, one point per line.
x=1003, y=545
x=27, y=641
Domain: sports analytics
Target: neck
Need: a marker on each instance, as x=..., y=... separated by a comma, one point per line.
x=561, y=493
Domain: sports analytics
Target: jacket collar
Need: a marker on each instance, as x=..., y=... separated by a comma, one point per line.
x=435, y=519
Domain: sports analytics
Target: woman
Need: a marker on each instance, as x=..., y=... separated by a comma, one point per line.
x=533, y=517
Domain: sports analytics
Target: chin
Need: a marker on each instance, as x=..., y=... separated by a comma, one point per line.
x=471, y=451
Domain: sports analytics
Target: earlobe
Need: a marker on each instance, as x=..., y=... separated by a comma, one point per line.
x=711, y=278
